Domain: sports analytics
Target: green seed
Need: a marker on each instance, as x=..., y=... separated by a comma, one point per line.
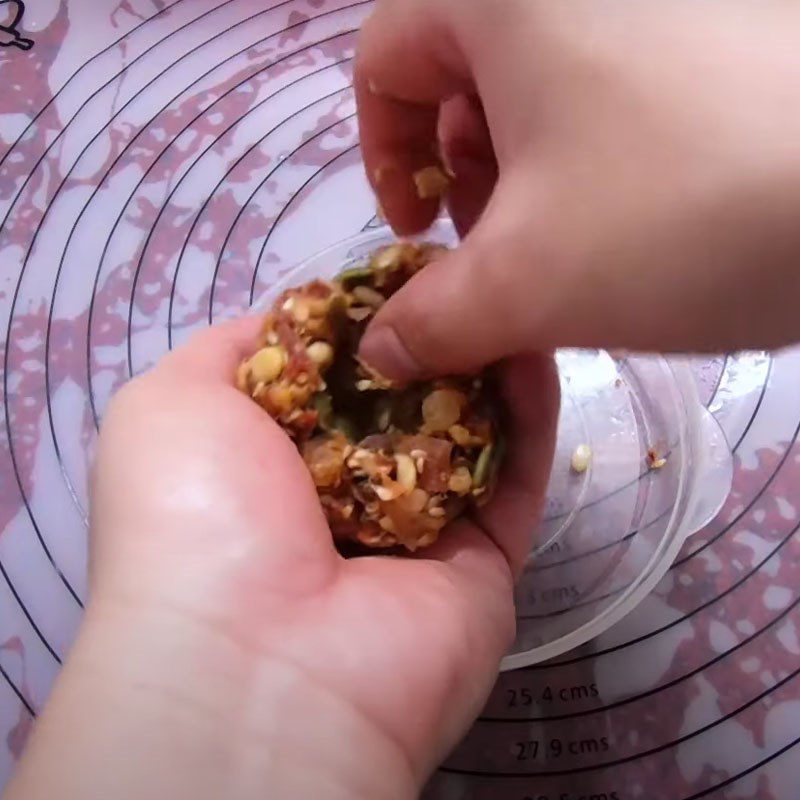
x=354, y=275
x=483, y=467
x=383, y=413
x=324, y=406
x=346, y=426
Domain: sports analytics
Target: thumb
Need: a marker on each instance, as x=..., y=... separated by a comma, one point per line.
x=473, y=306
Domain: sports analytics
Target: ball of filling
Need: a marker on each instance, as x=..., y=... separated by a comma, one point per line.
x=392, y=464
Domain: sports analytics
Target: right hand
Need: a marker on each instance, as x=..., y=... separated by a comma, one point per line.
x=628, y=174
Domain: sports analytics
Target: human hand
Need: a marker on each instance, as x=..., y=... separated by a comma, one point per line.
x=627, y=173
x=228, y=650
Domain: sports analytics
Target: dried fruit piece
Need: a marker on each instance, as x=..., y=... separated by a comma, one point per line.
x=436, y=458
x=415, y=501
x=387, y=524
x=441, y=409
x=325, y=457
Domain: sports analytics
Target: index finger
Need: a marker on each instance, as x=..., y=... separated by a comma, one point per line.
x=407, y=63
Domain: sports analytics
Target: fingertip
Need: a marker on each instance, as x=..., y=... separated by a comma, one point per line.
x=449, y=318
x=468, y=150
x=382, y=348
x=398, y=99
x=469, y=549
x=482, y=572
x=394, y=184
x=215, y=351
x=531, y=396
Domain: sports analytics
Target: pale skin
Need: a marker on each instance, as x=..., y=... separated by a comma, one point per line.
x=645, y=194
x=228, y=650
x=628, y=174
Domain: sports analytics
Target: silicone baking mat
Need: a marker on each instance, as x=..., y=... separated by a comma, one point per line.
x=161, y=164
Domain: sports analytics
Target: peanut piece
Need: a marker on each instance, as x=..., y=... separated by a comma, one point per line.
x=267, y=364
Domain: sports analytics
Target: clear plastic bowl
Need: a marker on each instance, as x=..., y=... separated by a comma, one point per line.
x=608, y=534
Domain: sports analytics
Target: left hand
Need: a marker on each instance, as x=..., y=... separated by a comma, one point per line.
x=229, y=650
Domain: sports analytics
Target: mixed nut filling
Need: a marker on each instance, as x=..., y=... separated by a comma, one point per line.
x=392, y=465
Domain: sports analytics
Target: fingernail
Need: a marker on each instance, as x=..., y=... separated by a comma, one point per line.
x=383, y=350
